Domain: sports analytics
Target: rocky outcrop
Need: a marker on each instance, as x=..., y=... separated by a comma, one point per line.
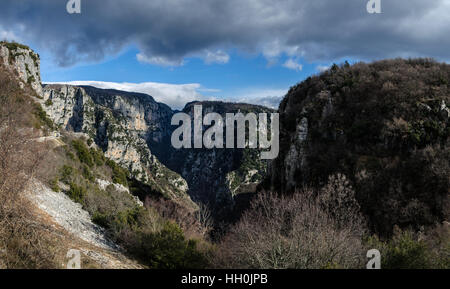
x=296, y=157
x=103, y=185
x=69, y=215
x=77, y=222
x=24, y=61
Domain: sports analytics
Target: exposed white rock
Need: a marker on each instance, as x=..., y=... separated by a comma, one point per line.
x=69, y=215
x=445, y=111
x=296, y=153
x=328, y=108
x=103, y=184
x=25, y=62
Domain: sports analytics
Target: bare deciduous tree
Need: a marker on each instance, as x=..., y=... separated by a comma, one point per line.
x=291, y=232
x=204, y=219
x=337, y=198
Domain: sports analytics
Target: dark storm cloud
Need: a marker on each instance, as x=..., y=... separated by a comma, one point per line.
x=166, y=31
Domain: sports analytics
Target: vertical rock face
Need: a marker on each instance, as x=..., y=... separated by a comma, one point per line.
x=24, y=61
x=120, y=123
x=218, y=177
x=134, y=130
x=296, y=157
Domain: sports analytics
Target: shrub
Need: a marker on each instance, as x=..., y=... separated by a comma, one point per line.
x=76, y=193
x=119, y=175
x=100, y=219
x=69, y=154
x=438, y=243
x=168, y=249
x=49, y=102
x=409, y=250
x=25, y=242
x=128, y=218
x=83, y=152
x=107, y=203
x=66, y=174
x=403, y=251
x=157, y=243
x=87, y=174
x=338, y=199
x=98, y=157
x=54, y=185
x=43, y=117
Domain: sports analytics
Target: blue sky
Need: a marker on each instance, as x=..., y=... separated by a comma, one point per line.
x=243, y=77
x=235, y=50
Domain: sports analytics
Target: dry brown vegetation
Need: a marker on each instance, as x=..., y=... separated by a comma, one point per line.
x=298, y=231
x=29, y=238
x=195, y=224
x=24, y=243
x=314, y=229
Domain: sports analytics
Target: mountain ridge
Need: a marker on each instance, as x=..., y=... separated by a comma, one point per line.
x=134, y=130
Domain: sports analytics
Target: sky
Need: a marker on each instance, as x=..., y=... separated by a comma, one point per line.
x=234, y=50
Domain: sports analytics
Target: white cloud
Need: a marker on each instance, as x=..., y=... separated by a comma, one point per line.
x=218, y=56
x=174, y=95
x=260, y=96
x=292, y=64
x=276, y=48
x=267, y=101
x=272, y=50
x=322, y=68
x=177, y=95
x=209, y=56
x=159, y=60
x=8, y=35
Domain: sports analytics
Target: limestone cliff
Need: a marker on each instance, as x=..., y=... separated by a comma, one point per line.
x=24, y=61
x=120, y=123
x=219, y=177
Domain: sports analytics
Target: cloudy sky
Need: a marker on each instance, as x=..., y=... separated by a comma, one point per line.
x=239, y=50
